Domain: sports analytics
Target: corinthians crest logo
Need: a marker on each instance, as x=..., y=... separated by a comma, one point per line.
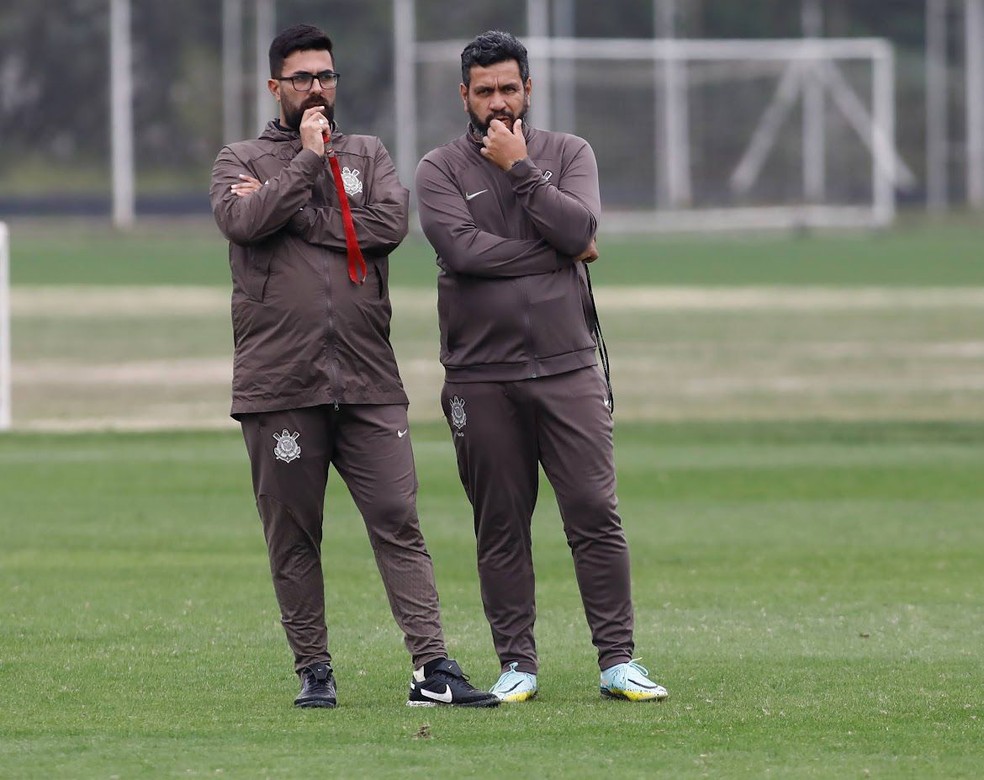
x=458, y=416
x=350, y=178
x=287, y=448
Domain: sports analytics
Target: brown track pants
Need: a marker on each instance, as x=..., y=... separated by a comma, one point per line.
x=501, y=432
x=290, y=473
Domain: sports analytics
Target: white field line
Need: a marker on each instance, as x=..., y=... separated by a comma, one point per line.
x=161, y=373
x=116, y=302
x=153, y=373
x=178, y=421
x=709, y=350
x=785, y=298
x=766, y=369
x=125, y=302
x=209, y=371
x=718, y=386
x=136, y=302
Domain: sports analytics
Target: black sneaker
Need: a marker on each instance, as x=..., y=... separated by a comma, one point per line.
x=317, y=687
x=447, y=684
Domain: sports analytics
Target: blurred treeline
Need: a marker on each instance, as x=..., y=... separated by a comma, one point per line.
x=54, y=72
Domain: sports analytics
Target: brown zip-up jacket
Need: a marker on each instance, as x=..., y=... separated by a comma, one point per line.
x=304, y=333
x=512, y=303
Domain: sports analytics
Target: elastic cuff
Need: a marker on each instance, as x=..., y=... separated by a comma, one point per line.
x=521, y=169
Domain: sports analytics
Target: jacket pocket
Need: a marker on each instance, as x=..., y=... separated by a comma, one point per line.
x=560, y=321
x=251, y=270
x=381, y=271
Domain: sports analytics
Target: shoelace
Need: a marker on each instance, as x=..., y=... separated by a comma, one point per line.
x=510, y=679
x=311, y=676
x=356, y=262
x=512, y=674
x=441, y=673
x=620, y=676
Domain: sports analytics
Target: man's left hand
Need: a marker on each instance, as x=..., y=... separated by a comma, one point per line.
x=246, y=186
x=503, y=146
x=590, y=254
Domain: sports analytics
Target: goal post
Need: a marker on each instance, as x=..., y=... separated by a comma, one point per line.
x=5, y=362
x=722, y=149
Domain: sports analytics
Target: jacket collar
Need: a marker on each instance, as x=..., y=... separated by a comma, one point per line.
x=476, y=137
x=274, y=131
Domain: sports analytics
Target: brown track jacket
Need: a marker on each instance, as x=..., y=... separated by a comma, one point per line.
x=512, y=303
x=304, y=334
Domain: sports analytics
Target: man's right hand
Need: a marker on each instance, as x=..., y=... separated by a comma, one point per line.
x=313, y=126
x=589, y=255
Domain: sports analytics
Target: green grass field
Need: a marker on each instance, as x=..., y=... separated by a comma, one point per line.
x=917, y=252
x=810, y=593
x=132, y=331
x=800, y=443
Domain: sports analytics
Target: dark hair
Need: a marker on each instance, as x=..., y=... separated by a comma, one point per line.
x=491, y=47
x=300, y=37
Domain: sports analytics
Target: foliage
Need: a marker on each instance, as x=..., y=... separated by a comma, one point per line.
x=54, y=61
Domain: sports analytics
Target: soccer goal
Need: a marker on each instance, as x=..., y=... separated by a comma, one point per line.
x=703, y=134
x=5, y=368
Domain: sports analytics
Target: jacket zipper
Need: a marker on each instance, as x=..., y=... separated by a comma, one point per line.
x=330, y=328
x=528, y=329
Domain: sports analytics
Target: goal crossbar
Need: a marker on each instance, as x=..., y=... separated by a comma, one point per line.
x=778, y=49
x=874, y=124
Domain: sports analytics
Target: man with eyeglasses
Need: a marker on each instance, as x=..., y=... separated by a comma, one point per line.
x=312, y=215
x=512, y=212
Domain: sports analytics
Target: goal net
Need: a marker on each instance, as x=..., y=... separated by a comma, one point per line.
x=704, y=134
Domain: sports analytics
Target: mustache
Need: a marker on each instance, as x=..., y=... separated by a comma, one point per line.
x=500, y=115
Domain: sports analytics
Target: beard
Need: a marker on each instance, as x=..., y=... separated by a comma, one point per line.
x=506, y=117
x=293, y=114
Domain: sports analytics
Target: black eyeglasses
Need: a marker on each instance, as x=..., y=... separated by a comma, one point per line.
x=303, y=82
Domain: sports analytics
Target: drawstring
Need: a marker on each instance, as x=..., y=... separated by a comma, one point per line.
x=356, y=262
x=600, y=338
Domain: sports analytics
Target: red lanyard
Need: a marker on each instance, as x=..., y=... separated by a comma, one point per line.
x=356, y=262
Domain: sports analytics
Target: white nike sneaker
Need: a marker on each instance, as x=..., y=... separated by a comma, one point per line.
x=447, y=684
x=514, y=686
x=630, y=681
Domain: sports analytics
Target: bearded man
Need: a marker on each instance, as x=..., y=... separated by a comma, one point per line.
x=312, y=215
x=512, y=212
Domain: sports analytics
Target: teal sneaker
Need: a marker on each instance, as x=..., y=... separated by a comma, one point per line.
x=630, y=681
x=515, y=686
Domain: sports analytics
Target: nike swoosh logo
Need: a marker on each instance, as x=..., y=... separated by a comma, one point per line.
x=471, y=195
x=402, y=433
x=444, y=697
